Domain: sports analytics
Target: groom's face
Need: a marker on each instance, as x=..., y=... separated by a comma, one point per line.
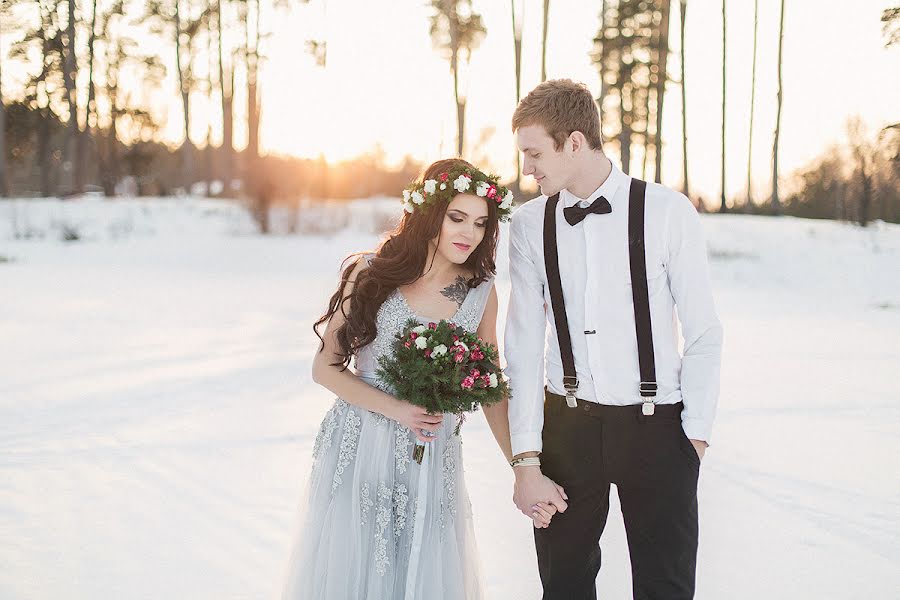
x=549, y=167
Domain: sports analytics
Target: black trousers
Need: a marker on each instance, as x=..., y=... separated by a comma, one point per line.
x=655, y=469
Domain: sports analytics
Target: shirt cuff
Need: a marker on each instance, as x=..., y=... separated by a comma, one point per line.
x=697, y=429
x=529, y=441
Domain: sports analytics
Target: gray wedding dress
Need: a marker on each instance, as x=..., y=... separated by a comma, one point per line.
x=376, y=525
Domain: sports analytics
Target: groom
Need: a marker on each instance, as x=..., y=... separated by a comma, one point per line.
x=607, y=261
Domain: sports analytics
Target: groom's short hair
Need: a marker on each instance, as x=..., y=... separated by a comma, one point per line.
x=561, y=106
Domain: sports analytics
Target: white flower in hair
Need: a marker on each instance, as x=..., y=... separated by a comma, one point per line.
x=461, y=183
x=406, y=195
x=507, y=201
x=417, y=198
x=421, y=343
x=408, y=207
x=430, y=186
x=482, y=188
x=443, y=186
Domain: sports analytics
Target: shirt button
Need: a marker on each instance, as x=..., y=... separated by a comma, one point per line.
x=587, y=407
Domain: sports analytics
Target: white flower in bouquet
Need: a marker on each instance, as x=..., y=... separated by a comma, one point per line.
x=421, y=343
x=461, y=183
x=430, y=185
x=438, y=350
x=493, y=380
x=461, y=345
x=420, y=329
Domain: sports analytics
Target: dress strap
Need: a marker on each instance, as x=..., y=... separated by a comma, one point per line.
x=480, y=294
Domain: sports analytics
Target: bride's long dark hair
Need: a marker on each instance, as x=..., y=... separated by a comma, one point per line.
x=400, y=260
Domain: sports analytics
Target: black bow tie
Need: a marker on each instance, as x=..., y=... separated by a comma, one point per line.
x=575, y=214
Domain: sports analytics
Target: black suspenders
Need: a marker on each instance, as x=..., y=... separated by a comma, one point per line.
x=639, y=292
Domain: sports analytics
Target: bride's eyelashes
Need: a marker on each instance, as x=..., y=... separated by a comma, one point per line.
x=481, y=224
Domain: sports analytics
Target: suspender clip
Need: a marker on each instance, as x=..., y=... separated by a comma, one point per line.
x=571, y=385
x=648, y=391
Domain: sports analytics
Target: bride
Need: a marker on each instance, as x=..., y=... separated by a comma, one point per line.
x=378, y=525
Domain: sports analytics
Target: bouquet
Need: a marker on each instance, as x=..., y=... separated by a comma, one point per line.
x=444, y=369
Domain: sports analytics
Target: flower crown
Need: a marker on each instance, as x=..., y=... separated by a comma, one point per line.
x=458, y=181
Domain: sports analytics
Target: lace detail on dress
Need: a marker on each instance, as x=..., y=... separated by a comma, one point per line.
x=402, y=453
x=365, y=504
x=469, y=316
x=392, y=315
x=348, y=448
x=382, y=519
x=448, y=502
x=400, y=500
x=326, y=431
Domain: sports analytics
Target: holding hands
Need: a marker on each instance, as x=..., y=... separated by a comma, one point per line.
x=537, y=496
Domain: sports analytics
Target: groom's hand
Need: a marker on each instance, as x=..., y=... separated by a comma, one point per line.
x=700, y=447
x=533, y=487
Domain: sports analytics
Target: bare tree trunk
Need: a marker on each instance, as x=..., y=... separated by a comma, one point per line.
x=460, y=104
x=645, y=136
x=253, y=108
x=517, y=47
x=603, y=57
x=258, y=187
x=227, y=94
x=544, y=42
x=187, y=157
x=684, y=146
x=43, y=102
x=210, y=60
x=662, y=77
x=626, y=110
x=85, y=137
x=722, y=206
x=749, y=205
x=865, y=202
x=4, y=181
x=776, y=202
x=70, y=71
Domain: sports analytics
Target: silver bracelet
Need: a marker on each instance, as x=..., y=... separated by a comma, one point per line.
x=527, y=461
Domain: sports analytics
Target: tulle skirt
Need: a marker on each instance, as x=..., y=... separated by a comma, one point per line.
x=375, y=525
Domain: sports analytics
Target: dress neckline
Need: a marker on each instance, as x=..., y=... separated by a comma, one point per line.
x=431, y=319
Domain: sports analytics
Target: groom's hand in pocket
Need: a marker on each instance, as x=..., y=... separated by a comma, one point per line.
x=533, y=487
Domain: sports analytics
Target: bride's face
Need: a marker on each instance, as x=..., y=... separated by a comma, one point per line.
x=463, y=228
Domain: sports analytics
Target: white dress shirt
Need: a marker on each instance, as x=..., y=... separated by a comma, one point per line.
x=596, y=283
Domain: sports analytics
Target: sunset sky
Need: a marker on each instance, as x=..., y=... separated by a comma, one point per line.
x=385, y=84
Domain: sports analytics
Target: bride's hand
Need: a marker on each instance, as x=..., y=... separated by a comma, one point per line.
x=416, y=419
x=542, y=514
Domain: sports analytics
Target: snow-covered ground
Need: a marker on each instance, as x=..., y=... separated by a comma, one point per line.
x=157, y=412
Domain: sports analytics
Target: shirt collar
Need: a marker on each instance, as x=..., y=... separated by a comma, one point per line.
x=607, y=189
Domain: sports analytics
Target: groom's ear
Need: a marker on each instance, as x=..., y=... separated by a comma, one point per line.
x=578, y=141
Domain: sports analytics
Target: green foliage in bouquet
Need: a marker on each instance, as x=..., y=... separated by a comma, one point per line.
x=443, y=368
